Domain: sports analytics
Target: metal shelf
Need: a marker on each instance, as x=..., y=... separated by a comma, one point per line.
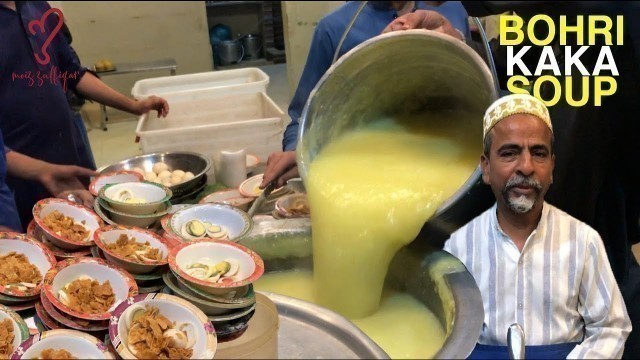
x=230, y=3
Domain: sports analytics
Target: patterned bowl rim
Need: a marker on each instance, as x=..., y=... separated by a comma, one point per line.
x=248, y=297
x=50, y=276
x=17, y=354
x=10, y=290
x=94, y=182
x=100, y=244
x=257, y=260
x=18, y=320
x=37, y=208
x=167, y=195
x=248, y=223
x=234, y=315
x=166, y=277
x=23, y=306
x=66, y=320
x=45, y=318
x=155, y=274
x=56, y=251
x=105, y=205
x=253, y=195
x=13, y=300
x=122, y=349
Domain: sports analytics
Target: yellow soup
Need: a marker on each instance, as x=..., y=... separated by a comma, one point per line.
x=403, y=327
x=370, y=193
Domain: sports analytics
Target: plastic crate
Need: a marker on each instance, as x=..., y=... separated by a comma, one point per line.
x=209, y=125
x=249, y=80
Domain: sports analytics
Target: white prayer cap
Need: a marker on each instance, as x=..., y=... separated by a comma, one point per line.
x=515, y=104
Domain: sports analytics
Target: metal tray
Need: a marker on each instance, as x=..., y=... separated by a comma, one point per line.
x=308, y=331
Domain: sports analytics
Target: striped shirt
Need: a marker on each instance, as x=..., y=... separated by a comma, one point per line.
x=559, y=289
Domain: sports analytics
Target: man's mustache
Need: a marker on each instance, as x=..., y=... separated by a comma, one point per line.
x=520, y=180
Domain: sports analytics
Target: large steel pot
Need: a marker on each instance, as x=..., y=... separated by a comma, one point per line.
x=432, y=276
x=415, y=72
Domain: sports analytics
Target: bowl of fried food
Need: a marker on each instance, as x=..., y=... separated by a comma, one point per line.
x=13, y=331
x=136, y=250
x=62, y=344
x=88, y=288
x=66, y=224
x=156, y=326
x=23, y=264
x=293, y=206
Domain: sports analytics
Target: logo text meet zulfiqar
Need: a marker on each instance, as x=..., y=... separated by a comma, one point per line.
x=53, y=75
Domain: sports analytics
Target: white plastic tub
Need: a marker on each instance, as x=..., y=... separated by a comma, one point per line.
x=247, y=80
x=209, y=125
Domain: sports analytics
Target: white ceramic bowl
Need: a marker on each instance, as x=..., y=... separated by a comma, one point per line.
x=173, y=308
x=110, y=234
x=230, y=197
x=251, y=188
x=155, y=195
x=20, y=328
x=288, y=202
x=78, y=212
x=234, y=220
x=79, y=344
x=122, y=283
x=117, y=177
x=251, y=265
x=37, y=254
x=141, y=221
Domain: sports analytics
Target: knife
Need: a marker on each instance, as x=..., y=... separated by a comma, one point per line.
x=260, y=200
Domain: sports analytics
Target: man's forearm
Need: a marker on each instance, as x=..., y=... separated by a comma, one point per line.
x=93, y=88
x=24, y=166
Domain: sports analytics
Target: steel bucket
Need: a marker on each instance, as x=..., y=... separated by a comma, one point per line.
x=230, y=51
x=414, y=71
x=252, y=45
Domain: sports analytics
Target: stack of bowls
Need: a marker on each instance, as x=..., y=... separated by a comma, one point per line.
x=61, y=246
x=229, y=302
x=116, y=177
x=54, y=314
x=147, y=274
x=230, y=220
x=19, y=296
x=18, y=327
x=76, y=343
x=195, y=163
x=152, y=206
x=199, y=331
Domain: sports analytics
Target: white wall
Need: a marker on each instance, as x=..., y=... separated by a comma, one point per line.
x=300, y=19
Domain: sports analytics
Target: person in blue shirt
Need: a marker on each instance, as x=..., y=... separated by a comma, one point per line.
x=374, y=18
x=35, y=117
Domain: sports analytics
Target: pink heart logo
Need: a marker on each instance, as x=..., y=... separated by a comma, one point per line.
x=33, y=24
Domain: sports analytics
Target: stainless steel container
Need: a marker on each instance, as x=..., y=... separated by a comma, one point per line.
x=196, y=163
x=416, y=72
x=230, y=51
x=434, y=277
x=252, y=45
